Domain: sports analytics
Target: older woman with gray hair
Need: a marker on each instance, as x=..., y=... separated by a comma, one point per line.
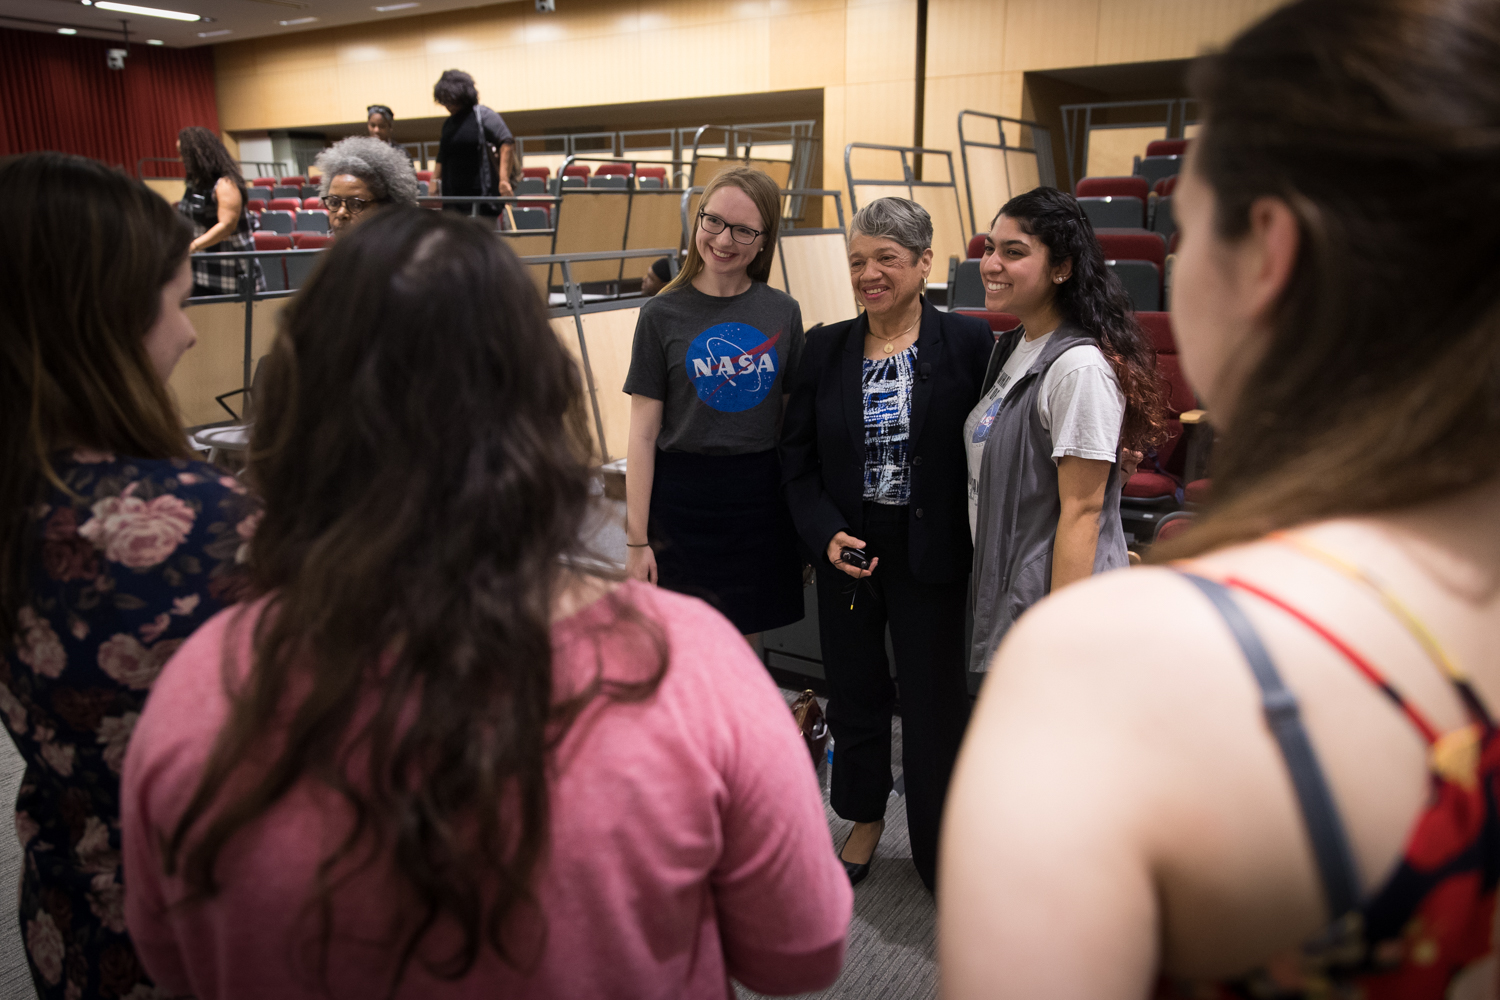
x=874, y=467
x=360, y=173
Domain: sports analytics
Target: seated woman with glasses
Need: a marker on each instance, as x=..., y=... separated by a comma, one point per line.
x=712, y=362
x=454, y=760
x=362, y=172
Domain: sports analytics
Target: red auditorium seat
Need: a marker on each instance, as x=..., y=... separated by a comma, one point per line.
x=1196, y=491
x=1133, y=246
x=309, y=204
x=311, y=241
x=613, y=170
x=999, y=322
x=274, y=267
x=296, y=180
x=658, y=172
x=1173, y=525
x=285, y=205
x=545, y=206
x=264, y=182
x=576, y=170
x=1159, y=476
x=1167, y=147
x=1113, y=187
x=424, y=175
x=542, y=172
x=976, y=246
x=1165, y=186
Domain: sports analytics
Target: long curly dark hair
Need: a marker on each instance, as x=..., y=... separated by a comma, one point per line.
x=205, y=160
x=423, y=453
x=1094, y=300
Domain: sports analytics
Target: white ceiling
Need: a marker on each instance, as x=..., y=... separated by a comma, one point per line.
x=237, y=19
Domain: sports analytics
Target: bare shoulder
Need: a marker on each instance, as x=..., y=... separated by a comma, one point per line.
x=1131, y=622
x=1133, y=665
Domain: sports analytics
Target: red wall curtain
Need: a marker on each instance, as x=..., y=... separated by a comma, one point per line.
x=56, y=93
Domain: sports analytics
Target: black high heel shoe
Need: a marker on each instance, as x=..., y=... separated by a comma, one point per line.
x=857, y=872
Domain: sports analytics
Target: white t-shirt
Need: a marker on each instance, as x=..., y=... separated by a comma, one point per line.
x=1080, y=404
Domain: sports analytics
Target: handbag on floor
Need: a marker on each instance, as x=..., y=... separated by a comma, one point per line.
x=811, y=722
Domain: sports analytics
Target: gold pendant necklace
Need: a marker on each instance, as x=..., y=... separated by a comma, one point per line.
x=890, y=345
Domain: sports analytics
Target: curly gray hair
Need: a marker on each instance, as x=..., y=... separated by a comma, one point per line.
x=380, y=165
x=898, y=219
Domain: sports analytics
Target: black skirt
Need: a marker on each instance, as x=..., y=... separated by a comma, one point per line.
x=721, y=531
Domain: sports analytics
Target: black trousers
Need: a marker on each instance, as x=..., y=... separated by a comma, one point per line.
x=927, y=634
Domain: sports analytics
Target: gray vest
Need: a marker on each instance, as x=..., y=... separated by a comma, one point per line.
x=1019, y=505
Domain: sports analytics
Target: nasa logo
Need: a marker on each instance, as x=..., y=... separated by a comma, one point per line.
x=733, y=366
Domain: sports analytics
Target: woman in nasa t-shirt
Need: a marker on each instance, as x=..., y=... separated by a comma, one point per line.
x=709, y=371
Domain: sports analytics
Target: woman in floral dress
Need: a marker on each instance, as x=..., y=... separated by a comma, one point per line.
x=114, y=545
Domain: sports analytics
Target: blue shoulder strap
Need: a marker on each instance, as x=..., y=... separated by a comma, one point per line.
x=1324, y=827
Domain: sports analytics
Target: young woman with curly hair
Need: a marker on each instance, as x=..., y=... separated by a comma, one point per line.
x=1063, y=393
x=214, y=201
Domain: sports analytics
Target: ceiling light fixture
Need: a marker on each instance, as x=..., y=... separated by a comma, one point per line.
x=213, y=34
x=67, y=31
x=395, y=6
x=130, y=8
x=155, y=41
x=297, y=20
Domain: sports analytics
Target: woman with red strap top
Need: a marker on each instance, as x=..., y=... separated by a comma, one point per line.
x=1289, y=789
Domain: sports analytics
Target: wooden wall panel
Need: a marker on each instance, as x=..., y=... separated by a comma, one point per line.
x=215, y=364
x=1046, y=34
x=1145, y=30
x=860, y=52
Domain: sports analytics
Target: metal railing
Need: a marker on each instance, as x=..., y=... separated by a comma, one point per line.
x=573, y=305
x=1040, y=149
x=262, y=168
x=909, y=179
x=1079, y=121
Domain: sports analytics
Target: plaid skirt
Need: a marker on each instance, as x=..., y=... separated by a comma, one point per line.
x=222, y=277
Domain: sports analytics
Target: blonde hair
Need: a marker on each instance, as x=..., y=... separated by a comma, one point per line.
x=767, y=197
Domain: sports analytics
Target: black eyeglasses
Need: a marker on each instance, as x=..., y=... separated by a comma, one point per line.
x=740, y=234
x=333, y=203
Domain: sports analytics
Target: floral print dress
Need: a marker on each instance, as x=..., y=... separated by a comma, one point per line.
x=123, y=571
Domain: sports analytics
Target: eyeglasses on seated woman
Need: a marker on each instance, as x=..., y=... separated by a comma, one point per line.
x=361, y=173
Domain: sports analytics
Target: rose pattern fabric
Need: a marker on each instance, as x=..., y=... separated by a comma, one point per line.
x=122, y=571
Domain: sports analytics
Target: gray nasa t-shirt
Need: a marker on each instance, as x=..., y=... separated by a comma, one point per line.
x=719, y=365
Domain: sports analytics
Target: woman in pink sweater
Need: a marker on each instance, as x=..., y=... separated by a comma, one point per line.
x=440, y=756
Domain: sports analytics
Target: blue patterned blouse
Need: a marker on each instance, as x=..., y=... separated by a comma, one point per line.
x=887, y=385
x=123, y=570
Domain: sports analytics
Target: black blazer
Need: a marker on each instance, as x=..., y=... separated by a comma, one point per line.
x=823, y=439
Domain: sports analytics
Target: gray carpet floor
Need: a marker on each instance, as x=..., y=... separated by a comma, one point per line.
x=15, y=977
x=892, y=949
